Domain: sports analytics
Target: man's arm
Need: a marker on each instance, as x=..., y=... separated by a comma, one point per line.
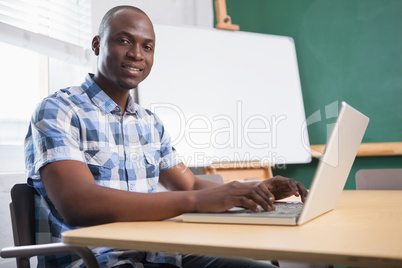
x=180, y=178
x=72, y=189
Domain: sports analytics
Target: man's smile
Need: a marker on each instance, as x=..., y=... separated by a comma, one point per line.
x=133, y=68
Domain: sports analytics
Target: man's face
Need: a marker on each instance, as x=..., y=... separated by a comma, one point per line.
x=125, y=51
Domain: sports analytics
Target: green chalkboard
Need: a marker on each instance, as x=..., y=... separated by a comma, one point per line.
x=348, y=50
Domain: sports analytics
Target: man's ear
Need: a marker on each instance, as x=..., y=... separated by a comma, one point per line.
x=96, y=45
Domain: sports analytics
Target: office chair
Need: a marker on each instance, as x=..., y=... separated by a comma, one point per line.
x=22, y=209
x=379, y=179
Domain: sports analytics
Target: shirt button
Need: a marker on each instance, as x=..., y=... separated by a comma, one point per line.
x=131, y=187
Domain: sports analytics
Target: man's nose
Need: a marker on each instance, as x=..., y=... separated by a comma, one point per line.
x=135, y=53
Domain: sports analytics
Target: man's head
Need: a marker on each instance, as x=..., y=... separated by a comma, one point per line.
x=125, y=48
x=106, y=17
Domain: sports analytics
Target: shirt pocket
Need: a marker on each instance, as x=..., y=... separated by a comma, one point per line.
x=151, y=159
x=101, y=163
x=105, y=158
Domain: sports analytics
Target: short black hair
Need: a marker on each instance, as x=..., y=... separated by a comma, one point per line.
x=112, y=11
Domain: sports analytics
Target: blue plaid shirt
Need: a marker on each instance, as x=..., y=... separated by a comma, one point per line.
x=125, y=152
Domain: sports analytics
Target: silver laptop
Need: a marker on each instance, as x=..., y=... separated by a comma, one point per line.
x=327, y=185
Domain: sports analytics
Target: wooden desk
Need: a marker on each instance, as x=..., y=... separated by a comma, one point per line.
x=364, y=231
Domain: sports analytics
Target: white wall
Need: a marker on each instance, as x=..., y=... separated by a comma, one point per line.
x=172, y=12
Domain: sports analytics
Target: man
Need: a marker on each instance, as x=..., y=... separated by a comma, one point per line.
x=95, y=156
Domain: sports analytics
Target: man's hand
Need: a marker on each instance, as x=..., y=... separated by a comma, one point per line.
x=248, y=195
x=282, y=187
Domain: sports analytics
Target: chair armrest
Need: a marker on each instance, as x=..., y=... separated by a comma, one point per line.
x=50, y=249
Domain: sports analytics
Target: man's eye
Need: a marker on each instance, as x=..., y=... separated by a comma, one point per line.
x=122, y=41
x=150, y=48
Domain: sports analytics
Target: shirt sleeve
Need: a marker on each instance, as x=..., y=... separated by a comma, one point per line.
x=53, y=135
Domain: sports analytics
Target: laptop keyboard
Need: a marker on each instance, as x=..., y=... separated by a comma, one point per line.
x=288, y=207
x=283, y=208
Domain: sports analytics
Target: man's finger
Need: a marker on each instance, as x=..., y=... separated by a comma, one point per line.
x=267, y=195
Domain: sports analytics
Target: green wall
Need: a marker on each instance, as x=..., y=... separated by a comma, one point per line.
x=348, y=50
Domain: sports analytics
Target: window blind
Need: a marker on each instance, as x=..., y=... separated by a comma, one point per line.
x=65, y=20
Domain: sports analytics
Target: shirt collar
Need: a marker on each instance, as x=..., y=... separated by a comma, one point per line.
x=131, y=107
x=102, y=100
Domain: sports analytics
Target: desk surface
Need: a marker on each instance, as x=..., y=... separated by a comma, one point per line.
x=364, y=230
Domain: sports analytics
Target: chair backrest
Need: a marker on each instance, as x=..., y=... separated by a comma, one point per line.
x=22, y=209
x=379, y=179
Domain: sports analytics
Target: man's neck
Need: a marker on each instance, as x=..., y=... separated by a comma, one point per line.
x=120, y=97
x=118, y=94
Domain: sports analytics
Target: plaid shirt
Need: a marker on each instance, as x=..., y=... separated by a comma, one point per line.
x=125, y=152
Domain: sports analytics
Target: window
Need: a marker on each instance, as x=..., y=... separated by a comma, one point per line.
x=44, y=46
x=28, y=77
x=23, y=84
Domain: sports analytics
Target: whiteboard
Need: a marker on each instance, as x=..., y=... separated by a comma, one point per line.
x=227, y=96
